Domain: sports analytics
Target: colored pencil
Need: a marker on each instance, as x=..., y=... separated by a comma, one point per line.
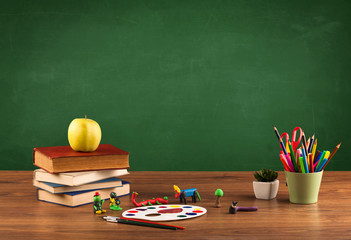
x=303, y=140
x=276, y=132
x=314, y=148
x=319, y=160
x=311, y=162
x=321, y=165
x=287, y=159
x=310, y=148
x=316, y=156
x=305, y=164
x=308, y=145
x=145, y=221
x=292, y=156
x=145, y=224
x=332, y=155
x=280, y=140
x=285, y=164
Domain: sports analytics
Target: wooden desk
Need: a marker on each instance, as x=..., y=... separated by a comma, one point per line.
x=23, y=217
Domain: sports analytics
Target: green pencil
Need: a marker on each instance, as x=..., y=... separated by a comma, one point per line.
x=292, y=156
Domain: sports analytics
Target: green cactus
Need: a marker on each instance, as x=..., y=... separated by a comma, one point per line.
x=265, y=175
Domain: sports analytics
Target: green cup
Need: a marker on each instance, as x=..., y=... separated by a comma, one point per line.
x=303, y=187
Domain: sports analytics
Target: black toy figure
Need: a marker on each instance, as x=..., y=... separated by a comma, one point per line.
x=234, y=208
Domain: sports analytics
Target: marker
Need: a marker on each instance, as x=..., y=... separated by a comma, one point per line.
x=319, y=160
x=301, y=164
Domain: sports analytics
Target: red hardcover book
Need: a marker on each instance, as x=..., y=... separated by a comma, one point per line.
x=65, y=159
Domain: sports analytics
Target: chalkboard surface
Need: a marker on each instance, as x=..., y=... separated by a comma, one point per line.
x=181, y=85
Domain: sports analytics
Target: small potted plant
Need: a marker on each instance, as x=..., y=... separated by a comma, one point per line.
x=267, y=184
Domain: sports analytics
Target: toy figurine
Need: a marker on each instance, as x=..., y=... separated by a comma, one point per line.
x=218, y=194
x=149, y=202
x=183, y=194
x=98, y=203
x=114, y=202
x=234, y=208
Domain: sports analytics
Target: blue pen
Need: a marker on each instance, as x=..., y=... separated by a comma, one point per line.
x=322, y=165
x=304, y=159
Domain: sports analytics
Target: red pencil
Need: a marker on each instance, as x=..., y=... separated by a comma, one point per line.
x=155, y=223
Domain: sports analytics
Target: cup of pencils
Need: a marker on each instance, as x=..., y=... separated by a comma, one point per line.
x=303, y=165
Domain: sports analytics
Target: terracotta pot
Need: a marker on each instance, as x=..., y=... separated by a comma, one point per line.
x=266, y=190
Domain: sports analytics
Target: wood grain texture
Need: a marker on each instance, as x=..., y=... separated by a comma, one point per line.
x=23, y=217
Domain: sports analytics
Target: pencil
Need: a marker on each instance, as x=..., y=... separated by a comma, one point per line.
x=321, y=165
x=287, y=159
x=144, y=221
x=316, y=156
x=292, y=156
x=311, y=145
x=332, y=155
x=304, y=140
x=145, y=224
x=314, y=148
x=286, y=167
x=319, y=160
x=276, y=132
x=311, y=162
x=305, y=164
x=280, y=140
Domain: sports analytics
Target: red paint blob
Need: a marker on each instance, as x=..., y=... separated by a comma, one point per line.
x=172, y=210
x=132, y=211
x=198, y=211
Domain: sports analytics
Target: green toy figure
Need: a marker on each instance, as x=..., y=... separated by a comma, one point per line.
x=114, y=202
x=98, y=203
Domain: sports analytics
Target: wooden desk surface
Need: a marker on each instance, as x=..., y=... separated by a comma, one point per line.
x=23, y=217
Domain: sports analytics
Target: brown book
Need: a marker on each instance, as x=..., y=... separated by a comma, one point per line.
x=65, y=159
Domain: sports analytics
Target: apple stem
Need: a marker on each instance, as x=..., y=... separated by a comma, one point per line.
x=85, y=117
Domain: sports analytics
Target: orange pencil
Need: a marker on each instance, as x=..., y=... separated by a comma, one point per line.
x=331, y=155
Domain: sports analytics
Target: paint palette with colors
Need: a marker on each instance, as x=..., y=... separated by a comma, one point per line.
x=165, y=212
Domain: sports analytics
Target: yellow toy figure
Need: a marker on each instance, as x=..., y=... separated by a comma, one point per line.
x=114, y=202
x=98, y=203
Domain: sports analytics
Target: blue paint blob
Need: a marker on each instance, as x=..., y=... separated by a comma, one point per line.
x=130, y=214
x=141, y=209
x=191, y=213
x=187, y=207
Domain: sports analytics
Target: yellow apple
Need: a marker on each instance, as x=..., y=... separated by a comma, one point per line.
x=84, y=135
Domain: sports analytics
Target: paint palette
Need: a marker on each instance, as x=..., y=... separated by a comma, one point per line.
x=165, y=212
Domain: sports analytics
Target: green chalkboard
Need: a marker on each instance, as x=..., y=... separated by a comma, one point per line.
x=181, y=85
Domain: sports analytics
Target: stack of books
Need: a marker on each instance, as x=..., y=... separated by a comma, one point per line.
x=71, y=178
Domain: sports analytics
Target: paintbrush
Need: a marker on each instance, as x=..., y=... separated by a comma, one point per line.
x=141, y=222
